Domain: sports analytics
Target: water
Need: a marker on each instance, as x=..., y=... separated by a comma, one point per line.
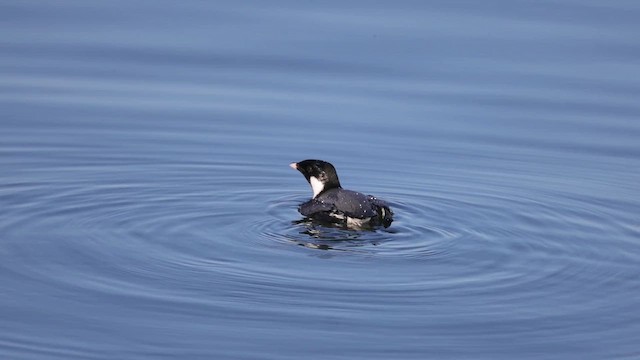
x=147, y=209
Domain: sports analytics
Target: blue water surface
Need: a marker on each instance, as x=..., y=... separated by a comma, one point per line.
x=147, y=209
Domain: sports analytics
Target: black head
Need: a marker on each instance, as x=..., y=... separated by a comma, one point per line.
x=321, y=175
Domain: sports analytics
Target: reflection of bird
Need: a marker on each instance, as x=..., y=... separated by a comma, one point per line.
x=331, y=203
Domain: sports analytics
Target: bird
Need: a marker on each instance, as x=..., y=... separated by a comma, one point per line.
x=333, y=204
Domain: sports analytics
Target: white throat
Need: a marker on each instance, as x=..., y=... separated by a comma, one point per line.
x=316, y=185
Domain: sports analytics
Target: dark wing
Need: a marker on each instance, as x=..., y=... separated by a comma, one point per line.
x=350, y=203
x=314, y=206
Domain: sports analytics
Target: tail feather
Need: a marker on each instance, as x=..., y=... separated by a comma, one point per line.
x=384, y=211
x=386, y=216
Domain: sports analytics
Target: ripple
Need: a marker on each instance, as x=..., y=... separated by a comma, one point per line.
x=167, y=240
x=224, y=237
x=146, y=206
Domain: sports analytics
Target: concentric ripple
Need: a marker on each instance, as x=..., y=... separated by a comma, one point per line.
x=213, y=238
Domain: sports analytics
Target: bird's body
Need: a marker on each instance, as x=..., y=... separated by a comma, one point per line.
x=331, y=203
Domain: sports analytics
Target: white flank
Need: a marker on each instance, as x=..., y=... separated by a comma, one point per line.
x=357, y=223
x=316, y=185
